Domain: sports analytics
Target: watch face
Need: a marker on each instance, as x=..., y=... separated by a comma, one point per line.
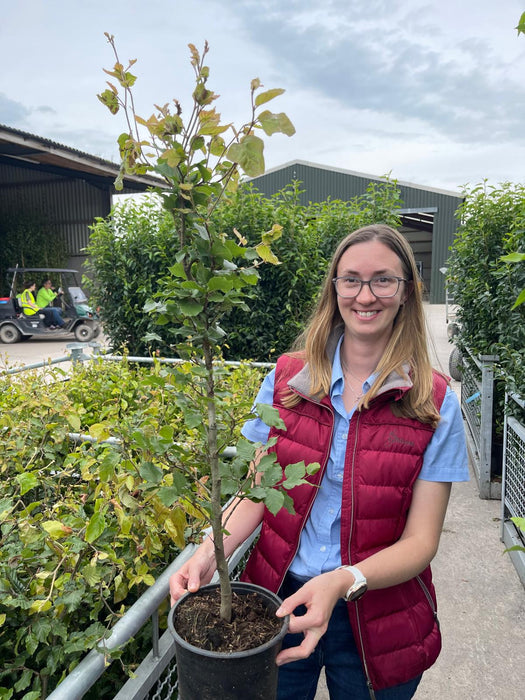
x=357, y=591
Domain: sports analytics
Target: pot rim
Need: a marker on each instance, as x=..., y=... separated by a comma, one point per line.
x=252, y=587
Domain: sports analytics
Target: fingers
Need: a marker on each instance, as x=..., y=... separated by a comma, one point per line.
x=191, y=576
x=303, y=651
x=178, y=586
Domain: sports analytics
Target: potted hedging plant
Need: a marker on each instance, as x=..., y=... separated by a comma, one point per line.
x=199, y=160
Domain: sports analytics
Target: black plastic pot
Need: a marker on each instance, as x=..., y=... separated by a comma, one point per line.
x=210, y=675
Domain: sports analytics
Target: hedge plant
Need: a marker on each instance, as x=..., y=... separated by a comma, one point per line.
x=86, y=528
x=129, y=250
x=486, y=284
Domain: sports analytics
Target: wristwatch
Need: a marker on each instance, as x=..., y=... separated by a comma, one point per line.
x=359, y=586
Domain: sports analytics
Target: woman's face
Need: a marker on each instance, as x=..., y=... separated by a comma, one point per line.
x=367, y=317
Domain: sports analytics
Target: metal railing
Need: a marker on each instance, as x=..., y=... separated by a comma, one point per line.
x=477, y=405
x=513, y=484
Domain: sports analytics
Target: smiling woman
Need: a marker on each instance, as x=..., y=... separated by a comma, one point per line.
x=359, y=396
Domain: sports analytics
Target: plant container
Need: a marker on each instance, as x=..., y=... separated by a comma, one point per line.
x=231, y=675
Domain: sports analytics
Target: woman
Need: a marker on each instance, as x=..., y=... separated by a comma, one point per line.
x=352, y=564
x=52, y=317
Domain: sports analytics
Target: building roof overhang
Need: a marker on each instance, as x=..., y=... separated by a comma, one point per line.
x=22, y=149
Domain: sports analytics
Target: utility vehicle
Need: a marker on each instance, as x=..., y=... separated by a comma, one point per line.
x=80, y=319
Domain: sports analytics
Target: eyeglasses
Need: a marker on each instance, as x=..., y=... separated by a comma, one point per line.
x=381, y=287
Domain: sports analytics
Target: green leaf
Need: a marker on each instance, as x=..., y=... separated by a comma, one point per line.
x=33, y=695
x=74, y=421
x=268, y=95
x=99, y=431
x=270, y=415
x=40, y=606
x=24, y=680
x=520, y=523
x=294, y=475
x=274, y=501
x=109, y=98
x=276, y=123
x=220, y=282
x=249, y=155
x=151, y=473
x=192, y=418
x=265, y=253
x=520, y=300
x=55, y=529
x=95, y=528
x=513, y=257
x=108, y=464
x=521, y=24
x=190, y=307
x=27, y=481
x=168, y=495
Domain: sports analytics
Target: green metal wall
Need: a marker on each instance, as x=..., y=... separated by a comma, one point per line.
x=321, y=182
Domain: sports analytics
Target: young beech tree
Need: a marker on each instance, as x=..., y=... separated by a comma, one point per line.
x=199, y=160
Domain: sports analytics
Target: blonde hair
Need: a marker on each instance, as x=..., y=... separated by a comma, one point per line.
x=407, y=344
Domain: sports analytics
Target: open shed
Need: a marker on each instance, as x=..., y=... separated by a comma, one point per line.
x=69, y=187
x=428, y=216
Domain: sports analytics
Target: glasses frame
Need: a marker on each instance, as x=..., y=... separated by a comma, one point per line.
x=369, y=283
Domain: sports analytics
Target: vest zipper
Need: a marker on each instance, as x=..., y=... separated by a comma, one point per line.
x=429, y=598
x=365, y=665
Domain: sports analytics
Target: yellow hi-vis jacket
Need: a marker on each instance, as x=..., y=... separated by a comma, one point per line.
x=27, y=302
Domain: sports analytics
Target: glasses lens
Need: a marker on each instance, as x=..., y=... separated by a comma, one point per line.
x=348, y=286
x=384, y=286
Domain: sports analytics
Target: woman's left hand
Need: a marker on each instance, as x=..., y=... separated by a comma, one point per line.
x=319, y=596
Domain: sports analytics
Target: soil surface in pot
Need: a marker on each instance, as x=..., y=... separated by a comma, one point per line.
x=252, y=624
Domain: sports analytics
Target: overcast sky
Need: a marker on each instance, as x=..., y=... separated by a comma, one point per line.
x=431, y=92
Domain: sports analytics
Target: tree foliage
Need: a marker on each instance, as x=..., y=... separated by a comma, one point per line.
x=200, y=159
x=28, y=239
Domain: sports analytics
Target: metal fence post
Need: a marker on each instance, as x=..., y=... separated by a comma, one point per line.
x=487, y=403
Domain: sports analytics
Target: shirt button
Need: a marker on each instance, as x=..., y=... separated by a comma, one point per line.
x=339, y=475
x=344, y=436
x=322, y=549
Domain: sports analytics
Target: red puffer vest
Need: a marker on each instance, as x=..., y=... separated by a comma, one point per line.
x=396, y=629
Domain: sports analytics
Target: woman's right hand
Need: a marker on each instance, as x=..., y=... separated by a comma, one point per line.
x=196, y=572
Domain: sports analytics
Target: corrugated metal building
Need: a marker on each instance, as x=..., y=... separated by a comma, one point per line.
x=428, y=215
x=68, y=187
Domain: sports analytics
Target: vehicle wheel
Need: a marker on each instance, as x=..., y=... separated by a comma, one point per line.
x=84, y=333
x=452, y=330
x=9, y=333
x=455, y=364
x=97, y=330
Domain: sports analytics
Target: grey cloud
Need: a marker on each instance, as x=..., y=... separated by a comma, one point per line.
x=12, y=113
x=465, y=96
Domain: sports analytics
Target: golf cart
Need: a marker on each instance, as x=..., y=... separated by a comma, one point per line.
x=79, y=318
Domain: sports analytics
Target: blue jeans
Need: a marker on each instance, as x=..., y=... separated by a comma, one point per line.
x=53, y=316
x=337, y=652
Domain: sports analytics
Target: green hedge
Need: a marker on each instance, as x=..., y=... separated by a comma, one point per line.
x=85, y=529
x=485, y=287
x=131, y=250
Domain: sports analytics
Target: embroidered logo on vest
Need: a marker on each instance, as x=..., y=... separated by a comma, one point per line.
x=393, y=438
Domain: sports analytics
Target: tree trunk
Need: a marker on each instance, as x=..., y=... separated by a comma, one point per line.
x=216, y=504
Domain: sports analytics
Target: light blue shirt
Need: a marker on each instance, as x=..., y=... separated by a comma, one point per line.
x=445, y=459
